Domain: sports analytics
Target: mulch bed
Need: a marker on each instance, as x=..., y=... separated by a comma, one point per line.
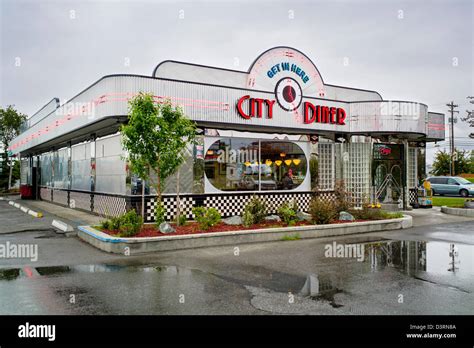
x=193, y=228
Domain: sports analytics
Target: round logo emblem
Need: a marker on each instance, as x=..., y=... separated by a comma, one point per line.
x=288, y=94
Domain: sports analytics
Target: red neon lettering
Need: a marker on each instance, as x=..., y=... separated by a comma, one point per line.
x=324, y=114
x=239, y=107
x=259, y=103
x=270, y=107
x=307, y=107
x=341, y=116
x=332, y=111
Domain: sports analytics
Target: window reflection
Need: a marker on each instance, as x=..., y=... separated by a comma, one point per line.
x=233, y=164
x=283, y=165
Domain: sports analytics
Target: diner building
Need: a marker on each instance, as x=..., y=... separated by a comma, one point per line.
x=277, y=130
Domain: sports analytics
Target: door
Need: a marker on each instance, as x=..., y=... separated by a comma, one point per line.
x=441, y=186
x=452, y=187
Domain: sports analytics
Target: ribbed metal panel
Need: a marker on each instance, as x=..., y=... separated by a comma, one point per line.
x=214, y=105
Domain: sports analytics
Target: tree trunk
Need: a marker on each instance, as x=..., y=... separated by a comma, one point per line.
x=143, y=199
x=158, y=187
x=10, y=175
x=178, y=201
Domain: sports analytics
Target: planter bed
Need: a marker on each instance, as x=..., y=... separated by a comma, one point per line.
x=149, y=230
x=254, y=234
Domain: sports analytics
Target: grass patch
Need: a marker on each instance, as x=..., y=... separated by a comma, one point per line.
x=293, y=237
x=453, y=202
x=391, y=215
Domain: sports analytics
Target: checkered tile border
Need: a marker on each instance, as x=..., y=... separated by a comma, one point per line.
x=227, y=205
x=413, y=196
x=171, y=208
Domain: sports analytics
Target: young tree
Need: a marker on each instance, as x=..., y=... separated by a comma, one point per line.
x=156, y=137
x=10, y=122
x=442, y=162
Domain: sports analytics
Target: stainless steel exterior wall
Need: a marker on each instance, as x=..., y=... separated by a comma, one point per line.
x=110, y=166
x=216, y=106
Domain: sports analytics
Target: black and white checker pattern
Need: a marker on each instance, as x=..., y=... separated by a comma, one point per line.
x=413, y=196
x=171, y=207
x=226, y=204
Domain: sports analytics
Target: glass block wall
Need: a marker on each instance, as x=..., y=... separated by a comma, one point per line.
x=326, y=157
x=412, y=176
x=356, y=158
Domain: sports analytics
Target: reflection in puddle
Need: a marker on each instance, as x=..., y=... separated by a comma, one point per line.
x=30, y=272
x=9, y=274
x=413, y=256
x=320, y=287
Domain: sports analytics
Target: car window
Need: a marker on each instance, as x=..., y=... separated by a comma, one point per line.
x=439, y=180
x=463, y=181
x=451, y=181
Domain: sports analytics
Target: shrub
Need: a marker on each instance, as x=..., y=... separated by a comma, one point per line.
x=159, y=214
x=287, y=212
x=373, y=212
x=128, y=224
x=206, y=217
x=342, y=202
x=114, y=223
x=257, y=209
x=182, y=220
x=322, y=211
x=247, y=218
x=105, y=224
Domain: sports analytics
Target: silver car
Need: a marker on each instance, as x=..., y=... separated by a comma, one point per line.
x=451, y=185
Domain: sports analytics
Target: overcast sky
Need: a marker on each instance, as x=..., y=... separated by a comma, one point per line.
x=407, y=50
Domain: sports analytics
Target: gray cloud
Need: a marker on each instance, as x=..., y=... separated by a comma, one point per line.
x=409, y=58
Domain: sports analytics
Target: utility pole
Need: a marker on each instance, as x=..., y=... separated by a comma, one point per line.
x=452, y=111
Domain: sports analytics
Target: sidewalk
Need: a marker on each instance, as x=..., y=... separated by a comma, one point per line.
x=433, y=216
x=70, y=216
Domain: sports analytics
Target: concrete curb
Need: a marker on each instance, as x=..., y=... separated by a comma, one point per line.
x=117, y=245
x=62, y=226
x=35, y=214
x=26, y=209
x=458, y=211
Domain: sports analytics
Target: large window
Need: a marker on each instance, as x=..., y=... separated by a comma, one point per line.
x=236, y=164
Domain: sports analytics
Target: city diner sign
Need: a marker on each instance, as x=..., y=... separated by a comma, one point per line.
x=290, y=74
x=257, y=107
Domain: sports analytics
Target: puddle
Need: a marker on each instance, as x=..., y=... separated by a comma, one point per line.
x=439, y=258
x=51, y=271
